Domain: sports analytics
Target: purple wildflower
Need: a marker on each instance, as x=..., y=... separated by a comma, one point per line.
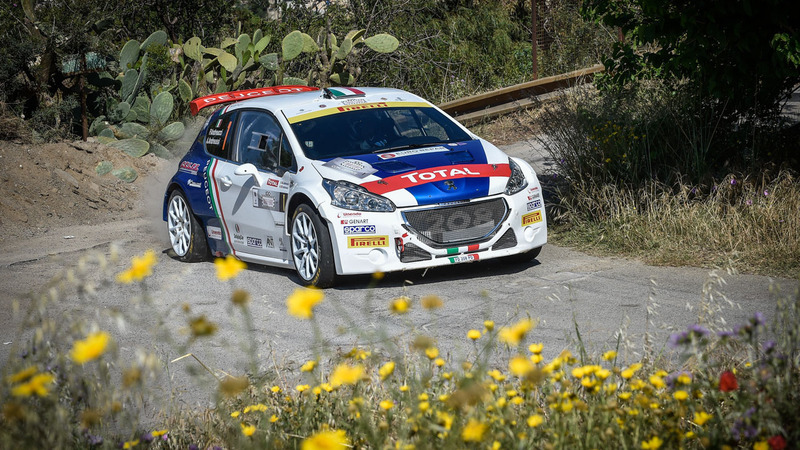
x=673, y=377
x=147, y=437
x=733, y=182
x=749, y=203
x=726, y=334
x=769, y=346
x=758, y=319
x=766, y=193
x=193, y=447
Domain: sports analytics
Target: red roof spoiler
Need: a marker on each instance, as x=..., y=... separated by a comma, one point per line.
x=225, y=97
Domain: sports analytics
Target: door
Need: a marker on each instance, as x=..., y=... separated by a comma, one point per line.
x=253, y=203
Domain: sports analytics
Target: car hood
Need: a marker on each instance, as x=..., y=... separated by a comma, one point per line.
x=429, y=175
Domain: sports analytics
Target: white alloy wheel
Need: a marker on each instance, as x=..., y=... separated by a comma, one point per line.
x=186, y=236
x=305, y=247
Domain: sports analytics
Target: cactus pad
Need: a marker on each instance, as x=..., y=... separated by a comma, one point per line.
x=103, y=167
x=382, y=43
x=161, y=108
x=132, y=147
x=127, y=174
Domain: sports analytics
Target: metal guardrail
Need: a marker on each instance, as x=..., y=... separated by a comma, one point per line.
x=473, y=109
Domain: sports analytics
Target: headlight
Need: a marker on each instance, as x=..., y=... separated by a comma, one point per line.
x=517, y=180
x=352, y=196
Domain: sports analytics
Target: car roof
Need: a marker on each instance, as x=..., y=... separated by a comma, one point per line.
x=295, y=103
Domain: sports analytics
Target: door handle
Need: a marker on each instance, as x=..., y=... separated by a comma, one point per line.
x=226, y=181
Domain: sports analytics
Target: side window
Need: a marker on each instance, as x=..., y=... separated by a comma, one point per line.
x=261, y=141
x=219, y=136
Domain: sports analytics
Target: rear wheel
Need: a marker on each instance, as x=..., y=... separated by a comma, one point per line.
x=311, y=248
x=186, y=236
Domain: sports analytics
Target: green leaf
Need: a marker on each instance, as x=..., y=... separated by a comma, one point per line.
x=292, y=45
x=193, y=49
x=293, y=81
x=262, y=44
x=171, y=132
x=185, y=91
x=227, y=61
x=382, y=43
x=345, y=48
x=133, y=129
x=133, y=147
x=142, y=108
x=161, y=108
x=227, y=42
x=355, y=35
x=160, y=151
x=269, y=61
x=257, y=35
x=241, y=47
x=127, y=174
x=103, y=167
x=129, y=54
x=158, y=37
x=309, y=46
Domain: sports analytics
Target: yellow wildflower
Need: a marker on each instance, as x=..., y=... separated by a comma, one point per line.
x=37, y=385
x=514, y=334
x=273, y=419
x=130, y=444
x=22, y=375
x=228, y=267
x=302, y=387
x=488, y=324
x=141, y=268
x=400, y=305
x=444, y=419
x=431, y=352
x=761, y=445
x=680, y=395
x=308, y=366
x=497, y=375
x=474, y=335
x=248, y=430
x=654, y=443
x=431, y=302
x=159, y=433
x=535, y=420
x=90, y=348
x=201, y=326
x=439, y=362
x=275, y=389
x=473, y=431
x=235, y=414
x=536, y=348
x=520, y=366
x=424, y=406
x=346, y=374
x=386, y=405
x=657, y=381
x=536, y=358
x=386, y=370
x=700, y=418
x=325, y=440
x=302, y=301
x=240, y=297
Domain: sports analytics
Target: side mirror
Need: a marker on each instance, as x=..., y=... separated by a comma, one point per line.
x=248, y=169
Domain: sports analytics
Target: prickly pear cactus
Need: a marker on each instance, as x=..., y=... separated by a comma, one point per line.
x=159, y=38
x=382, y=43
x=129, y=55
x=292, y=45
x=133, y=147
x=194, y=49
x=161, y=108
x=103, y=167
x=171, y=132
x=127, y=174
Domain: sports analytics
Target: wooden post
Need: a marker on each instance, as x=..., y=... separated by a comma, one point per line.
x=84, y=110
x=534, y=45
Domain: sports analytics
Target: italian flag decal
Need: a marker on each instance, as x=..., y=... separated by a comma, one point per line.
x=344, y=92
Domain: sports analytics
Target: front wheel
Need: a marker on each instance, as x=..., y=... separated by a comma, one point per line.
x=311, y=248
x=186, y=236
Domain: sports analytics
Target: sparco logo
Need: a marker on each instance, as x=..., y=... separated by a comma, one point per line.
x=363, y=229
x=253, y=242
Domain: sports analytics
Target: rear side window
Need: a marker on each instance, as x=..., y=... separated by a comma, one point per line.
x=219, y=136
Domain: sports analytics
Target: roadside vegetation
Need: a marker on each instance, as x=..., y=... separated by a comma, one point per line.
x=713, y=385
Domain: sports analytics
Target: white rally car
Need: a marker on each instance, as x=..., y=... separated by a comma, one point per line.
x=343, y=181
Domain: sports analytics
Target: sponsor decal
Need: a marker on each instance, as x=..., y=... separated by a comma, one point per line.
x=189, y=167
x=254, y=242
x=353, y=101
x=359, y=229
x=272, y=182
x=534, y=196
x=346, y=108
x=299, y=115
x=194, y=184
x=238, y=238
x=269, y=200
x=269, y=242
x=281, y=246
x=536, y=204
x=396, y=182
x=213, y=141
x=463, y=258
x=215, y=132
x=455, y=250
x=416, y=151
x=354, y=221
x=214, y=232
x=339, y=92
x=532, y=218
x=367, y=241
x=353, y=167
x=348, y=214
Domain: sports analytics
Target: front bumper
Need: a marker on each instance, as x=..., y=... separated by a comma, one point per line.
x=366, y=242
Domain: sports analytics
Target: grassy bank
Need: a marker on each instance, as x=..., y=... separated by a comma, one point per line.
x=723, y=387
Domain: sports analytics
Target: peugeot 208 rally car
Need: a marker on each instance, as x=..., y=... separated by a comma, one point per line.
x=342, y=181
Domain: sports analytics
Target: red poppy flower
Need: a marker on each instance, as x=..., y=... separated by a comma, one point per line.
x=727, y=382
x=777, y=442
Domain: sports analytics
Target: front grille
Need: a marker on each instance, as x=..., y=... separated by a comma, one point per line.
x=508, y=240
x=413, y=253
x=459, y=224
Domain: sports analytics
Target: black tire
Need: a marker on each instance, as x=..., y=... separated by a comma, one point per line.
x=521, y=258
x=187, y=237
x=312, y=252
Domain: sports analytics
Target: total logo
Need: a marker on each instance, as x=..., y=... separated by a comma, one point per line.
x=416, y=177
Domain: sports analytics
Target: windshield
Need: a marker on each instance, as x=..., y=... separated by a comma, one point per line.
x=375, y=131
